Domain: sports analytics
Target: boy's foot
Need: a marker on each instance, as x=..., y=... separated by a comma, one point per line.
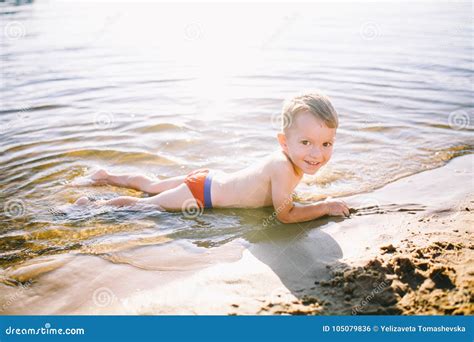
x=82, y=201
x=99, y=177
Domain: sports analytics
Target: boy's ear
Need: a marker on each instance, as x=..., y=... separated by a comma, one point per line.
x=282, y=140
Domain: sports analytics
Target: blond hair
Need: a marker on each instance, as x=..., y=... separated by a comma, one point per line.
x=316, y=103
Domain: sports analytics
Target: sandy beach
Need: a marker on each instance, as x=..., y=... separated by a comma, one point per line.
x=407, y=250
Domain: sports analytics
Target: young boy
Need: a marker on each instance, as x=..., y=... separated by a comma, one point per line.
x=309, y=124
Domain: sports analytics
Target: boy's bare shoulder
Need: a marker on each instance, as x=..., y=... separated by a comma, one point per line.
x=279, y=163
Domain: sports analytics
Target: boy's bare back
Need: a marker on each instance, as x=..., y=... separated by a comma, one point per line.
x=252, y=187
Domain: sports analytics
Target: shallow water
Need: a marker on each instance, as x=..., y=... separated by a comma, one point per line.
x=161, y=91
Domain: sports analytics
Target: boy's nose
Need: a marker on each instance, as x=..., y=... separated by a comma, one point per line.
x=316, y=153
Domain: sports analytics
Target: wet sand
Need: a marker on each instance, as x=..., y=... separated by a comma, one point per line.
x=407, y=250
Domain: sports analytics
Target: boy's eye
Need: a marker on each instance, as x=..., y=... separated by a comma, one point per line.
x=327, y=144
x=305, y=142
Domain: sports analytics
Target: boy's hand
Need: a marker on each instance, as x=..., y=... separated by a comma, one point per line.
x=336, y=207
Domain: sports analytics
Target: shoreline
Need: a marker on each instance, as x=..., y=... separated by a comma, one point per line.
x=326, y=266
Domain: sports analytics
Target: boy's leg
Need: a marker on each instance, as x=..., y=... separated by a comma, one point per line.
x=161, y=185
x=179, y=198
x=121, y=201
x=137, y=182
x=146, y=184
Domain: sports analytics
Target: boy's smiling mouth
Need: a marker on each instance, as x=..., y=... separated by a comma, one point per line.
x=312, y=163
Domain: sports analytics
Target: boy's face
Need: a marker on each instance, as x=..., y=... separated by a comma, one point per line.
x=308, y=142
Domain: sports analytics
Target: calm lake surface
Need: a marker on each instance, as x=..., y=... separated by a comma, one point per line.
x=164, y=89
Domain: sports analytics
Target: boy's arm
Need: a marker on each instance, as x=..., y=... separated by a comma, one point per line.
x=288, y=212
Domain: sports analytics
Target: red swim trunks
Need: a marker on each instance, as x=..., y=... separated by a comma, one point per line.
x=199, y=182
